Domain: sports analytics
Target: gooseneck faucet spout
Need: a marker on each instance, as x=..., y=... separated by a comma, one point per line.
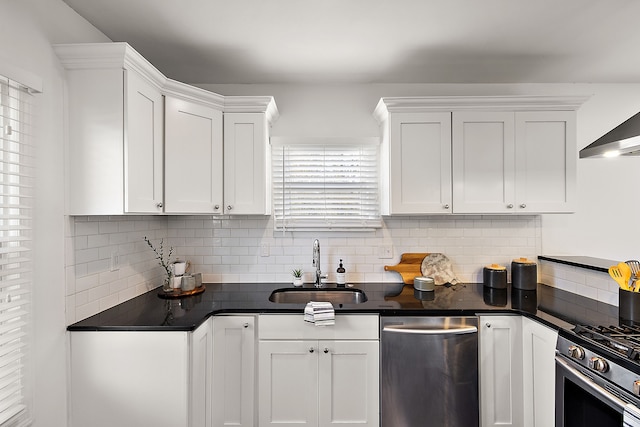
x=316, y=262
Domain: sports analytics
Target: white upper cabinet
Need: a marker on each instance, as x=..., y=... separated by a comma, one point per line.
x=246, y=176
x=123, y=158
x=514, y=162
x=115, y=121
x=418, y=146
x=545, y=161
x=483, y=162
x=143, y=130
x=478, y=155
x=193, y=157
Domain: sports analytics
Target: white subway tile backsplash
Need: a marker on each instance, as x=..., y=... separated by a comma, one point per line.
x=229, y=249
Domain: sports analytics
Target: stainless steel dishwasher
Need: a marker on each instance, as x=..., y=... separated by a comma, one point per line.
x=429, y=372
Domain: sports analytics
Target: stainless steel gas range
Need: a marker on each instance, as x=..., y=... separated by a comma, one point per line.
x=598, y=377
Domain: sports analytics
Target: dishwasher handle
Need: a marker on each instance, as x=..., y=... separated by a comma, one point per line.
x=426, y=330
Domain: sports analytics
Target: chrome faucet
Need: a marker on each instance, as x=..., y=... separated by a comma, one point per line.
x=316, y=262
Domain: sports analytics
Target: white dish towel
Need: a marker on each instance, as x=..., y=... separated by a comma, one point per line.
x=320, y=313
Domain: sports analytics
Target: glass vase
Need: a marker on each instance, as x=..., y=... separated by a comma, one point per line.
x=166, y=284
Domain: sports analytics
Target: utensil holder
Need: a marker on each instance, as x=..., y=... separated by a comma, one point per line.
x=628, y=307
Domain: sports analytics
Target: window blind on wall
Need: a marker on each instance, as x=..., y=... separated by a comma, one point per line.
x=326, y=184
x=16, y=193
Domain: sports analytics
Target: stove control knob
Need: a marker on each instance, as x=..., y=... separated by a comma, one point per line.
x=636, y=387
x=575, y=352
x=598, y=364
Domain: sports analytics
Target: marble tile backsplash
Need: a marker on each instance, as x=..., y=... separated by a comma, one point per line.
x=247, y=249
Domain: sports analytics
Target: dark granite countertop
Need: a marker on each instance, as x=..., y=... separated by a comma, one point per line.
x=149, y=312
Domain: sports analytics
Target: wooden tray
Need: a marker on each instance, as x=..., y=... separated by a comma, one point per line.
x=409, y=266
x=179, y=293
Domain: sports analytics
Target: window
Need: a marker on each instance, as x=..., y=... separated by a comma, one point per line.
x=16, y=191
x=326, y=183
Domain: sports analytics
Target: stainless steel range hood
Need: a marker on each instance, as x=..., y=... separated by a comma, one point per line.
x=623, y=140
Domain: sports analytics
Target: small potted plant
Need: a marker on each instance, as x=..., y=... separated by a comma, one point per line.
x=297, y=276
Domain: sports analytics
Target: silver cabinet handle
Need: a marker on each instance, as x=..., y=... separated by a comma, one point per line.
x=229, y=207
x=246, y=325
x=446, y=206
x=159, y=205
x=488, y=325
x=424, y=330
x=311, y=350
x=510, y=206
x=216, y=207
x=326, y=350
x=522, y=206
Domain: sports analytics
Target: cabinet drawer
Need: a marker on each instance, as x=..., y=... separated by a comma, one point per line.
x=293, y=326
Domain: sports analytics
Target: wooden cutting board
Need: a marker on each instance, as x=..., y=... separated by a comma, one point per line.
x=409, y=266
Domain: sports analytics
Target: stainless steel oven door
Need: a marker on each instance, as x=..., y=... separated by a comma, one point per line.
x=586, y=400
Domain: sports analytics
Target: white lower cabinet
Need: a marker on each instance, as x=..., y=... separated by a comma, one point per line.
x=135, y=378
x=318, y=376
x=539, y=349
x=500, y=347
x=517, y=372
x=234, y=360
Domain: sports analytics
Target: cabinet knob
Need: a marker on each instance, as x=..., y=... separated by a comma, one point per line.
x=326, y=350
x=229, y=207
x=216, y=207
x=159, y=205
x=446, y=206
x=246, y=325
x=510, y=206
x=488, y=325
x=311, y=350
x=522, y=206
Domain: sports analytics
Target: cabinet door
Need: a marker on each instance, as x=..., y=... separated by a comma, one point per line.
x=200, y=409
x=245, y=164
x=500, y=346
x=233, y=389
x=288, y=383
x=545, y=161
x=539, y=347
x=143, y=142
x=129, y=379
x=420, y=163
x=348, y=383
x=483, y=162
x=193, y=158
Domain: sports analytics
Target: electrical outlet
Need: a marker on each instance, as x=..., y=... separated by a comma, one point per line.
x=385, y=252
x=264, y=249
x=114, y=263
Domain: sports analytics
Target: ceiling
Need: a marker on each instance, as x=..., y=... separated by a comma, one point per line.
x=378, y=41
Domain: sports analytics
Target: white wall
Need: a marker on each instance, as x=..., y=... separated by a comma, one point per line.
x=28, y=29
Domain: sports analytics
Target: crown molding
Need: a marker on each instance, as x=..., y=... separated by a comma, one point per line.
x=190, y=93
x=477, y=103
x=87, y=56
x=252, y=104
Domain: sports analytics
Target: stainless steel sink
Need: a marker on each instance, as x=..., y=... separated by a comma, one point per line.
x=304, y=295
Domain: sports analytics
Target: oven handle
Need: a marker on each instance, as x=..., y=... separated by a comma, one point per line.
x=597, y=391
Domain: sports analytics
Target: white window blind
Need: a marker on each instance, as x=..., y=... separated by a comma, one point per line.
x=326, y=184
x=16, y=192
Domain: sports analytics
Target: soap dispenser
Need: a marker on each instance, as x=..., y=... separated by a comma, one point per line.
x=340, y=275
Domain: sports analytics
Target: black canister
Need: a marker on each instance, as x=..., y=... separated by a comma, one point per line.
x=524, y=274
x=494, y=276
